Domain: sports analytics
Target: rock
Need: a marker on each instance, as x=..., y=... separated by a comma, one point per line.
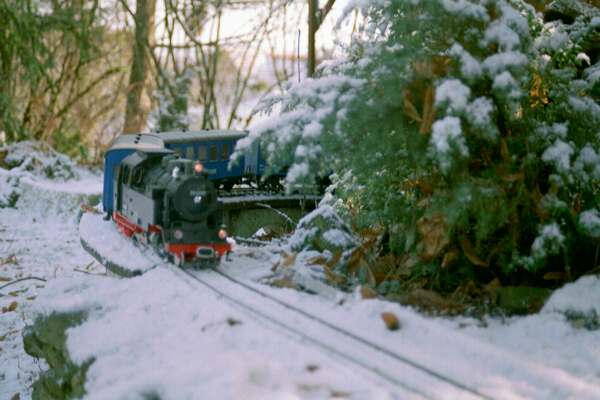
x=46, y=339
x=391, y=321
x=367, y=293
x=521, y=300
x=580, y=320
x=428, y=301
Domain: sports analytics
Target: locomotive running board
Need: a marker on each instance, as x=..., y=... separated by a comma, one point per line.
x=109, y=247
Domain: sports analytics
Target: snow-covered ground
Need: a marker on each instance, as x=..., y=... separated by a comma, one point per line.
x=158, y=334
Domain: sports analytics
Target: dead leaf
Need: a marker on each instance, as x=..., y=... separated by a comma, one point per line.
x=11, y=259
x=289, y=259
x=339, y=394
x=318, y=260
x=428, y=110
x=409, y=108
x=89, y=209
x=367, y=293
x=233, y=321
x=391, y=321
x=5, y=279
x=434, y=236
x=538, y=93
x=11, y=307
x=504, y=152
x=519, y=176
x=450, y=257
x=284, y=282
x=312, y=367
x=469, y=251
x=554, y=276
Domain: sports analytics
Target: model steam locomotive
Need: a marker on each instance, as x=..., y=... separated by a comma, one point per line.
x=157, y=197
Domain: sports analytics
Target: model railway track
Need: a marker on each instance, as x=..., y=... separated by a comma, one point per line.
x=409, y=376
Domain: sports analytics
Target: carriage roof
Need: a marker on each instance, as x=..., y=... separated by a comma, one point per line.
x=137, y=141
x=200, y=136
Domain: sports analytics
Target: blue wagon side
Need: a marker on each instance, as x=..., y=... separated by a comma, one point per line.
x=212, y=148
x=121, y=147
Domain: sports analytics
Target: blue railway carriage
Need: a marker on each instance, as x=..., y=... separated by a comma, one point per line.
x=213, y=149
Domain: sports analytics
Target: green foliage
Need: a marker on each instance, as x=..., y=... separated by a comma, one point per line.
x=462, y=129
x=33, y=45
x=172, y=99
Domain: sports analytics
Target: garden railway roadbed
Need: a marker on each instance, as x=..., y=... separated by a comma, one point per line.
x=228, y=334
x=424, y=359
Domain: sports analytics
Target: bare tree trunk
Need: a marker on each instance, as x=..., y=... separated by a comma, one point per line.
x=312, y=31
x=316, y=16
x=138, y=98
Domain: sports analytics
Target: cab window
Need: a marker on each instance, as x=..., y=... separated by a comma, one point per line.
x=137, y=177
x=125, y=175
x=225, y=151
x=202, y=153
x=213, y=152
x=189, y=153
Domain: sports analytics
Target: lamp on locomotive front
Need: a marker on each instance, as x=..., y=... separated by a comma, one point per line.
x=198, y=167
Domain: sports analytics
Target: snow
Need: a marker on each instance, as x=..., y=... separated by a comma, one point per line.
x=159, y=334
x=444, y=132
x=498, y=63
x=559, y=154
x=470, y=68
x=453, y=92
x=177, y=341
x=548, y=242
x=339, y=238
x=504, y=80
x=480, y=110
x=499, y=33
x=465, y=8
x=104, y=237
x=584, y=105
x=313, y=129
x=582, y=296
x=297, y=172
x=590, y=222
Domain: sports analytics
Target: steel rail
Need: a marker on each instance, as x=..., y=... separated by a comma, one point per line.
x=203, y=277
x=360, y=339
x=340, y=331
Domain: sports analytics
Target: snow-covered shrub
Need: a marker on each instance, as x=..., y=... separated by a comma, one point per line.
x=9, y=191
x=322, y=230
x=38, y=159
x=463, y=127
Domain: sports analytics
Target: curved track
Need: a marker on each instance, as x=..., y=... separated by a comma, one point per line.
x=406, y=377
x=411, y=379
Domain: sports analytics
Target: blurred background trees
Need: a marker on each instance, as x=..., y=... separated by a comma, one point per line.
x=76, y=73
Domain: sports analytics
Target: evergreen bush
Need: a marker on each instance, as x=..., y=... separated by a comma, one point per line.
x=467, y=132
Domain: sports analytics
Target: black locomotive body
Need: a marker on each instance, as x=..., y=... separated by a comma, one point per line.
x=169, y=203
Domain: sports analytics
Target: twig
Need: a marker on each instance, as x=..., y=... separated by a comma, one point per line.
x=280, y=213
x=22, y=279
x=87, y=272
